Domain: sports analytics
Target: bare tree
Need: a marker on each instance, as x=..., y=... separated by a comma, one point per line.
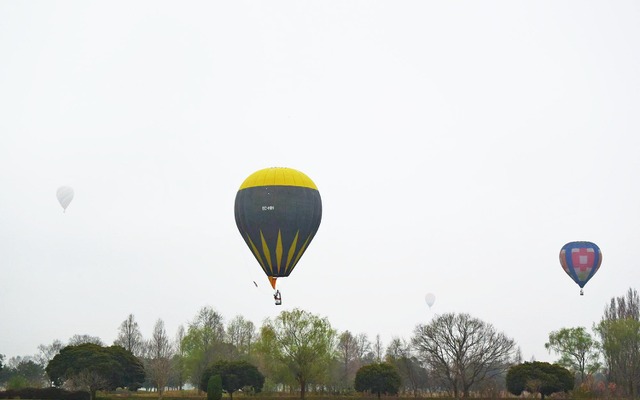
x=378, y=349
x=130, y=337
x=400, y=354
x=177, y=361
x=91, y=380
x=241, y=333
x=159, y=353
x=47, y=352
x=352, y=352
x=180, y=334
x=82, y=339
x=363, y=347
x=348, y=356
x=211, y=323
x=463, y=351
x=624, y=307
x=518, y=357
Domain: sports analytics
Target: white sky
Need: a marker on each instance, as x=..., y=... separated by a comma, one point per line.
x=457, y=145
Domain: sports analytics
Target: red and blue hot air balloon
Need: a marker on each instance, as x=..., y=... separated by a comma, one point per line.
x=581, y=261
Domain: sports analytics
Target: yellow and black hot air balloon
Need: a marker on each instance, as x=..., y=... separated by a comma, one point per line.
x=278, y=212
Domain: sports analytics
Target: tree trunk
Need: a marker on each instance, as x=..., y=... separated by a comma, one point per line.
x=465, y=390
x=303, y=387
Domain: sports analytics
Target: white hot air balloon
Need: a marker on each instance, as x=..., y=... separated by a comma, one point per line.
x=430, y=299
x=65, y=195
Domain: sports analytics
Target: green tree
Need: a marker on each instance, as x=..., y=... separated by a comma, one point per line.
x=32, y=372
x=539, y=377
x=214, y=388
x=577, y=350
x=22, y=372
x=378, y=378
x=17, y=382
x=130, y=373
x=621, y=346
x=301, y=343
x=203, y=343
x=619, y=332
x=235, y=375
x=92, y=367
x=463, y=351
x=2, y=370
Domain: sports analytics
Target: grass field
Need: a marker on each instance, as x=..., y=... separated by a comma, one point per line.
x=193, y=395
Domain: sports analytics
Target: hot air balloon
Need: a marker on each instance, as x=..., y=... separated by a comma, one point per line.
x=430, y=298
x=65, y=195
x=278, y=212
x=580, y=260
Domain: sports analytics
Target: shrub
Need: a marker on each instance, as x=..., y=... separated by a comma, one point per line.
x=377, y=379
x=50, y=393
x=214, y=388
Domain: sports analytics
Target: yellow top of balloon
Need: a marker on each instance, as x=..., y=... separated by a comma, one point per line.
x=278, y=176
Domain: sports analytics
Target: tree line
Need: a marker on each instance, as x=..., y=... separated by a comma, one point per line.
x=297, y=351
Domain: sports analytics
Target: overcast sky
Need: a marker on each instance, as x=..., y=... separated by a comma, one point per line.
x=457, y=146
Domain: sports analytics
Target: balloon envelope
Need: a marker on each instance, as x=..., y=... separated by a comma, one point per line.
x=430, y=298
x=278, y=212
x=580, y=260
x=65, y=195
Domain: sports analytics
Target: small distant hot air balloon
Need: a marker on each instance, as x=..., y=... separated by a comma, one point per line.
x=580, y=260
x=278, y=212
x=430, y=298
x=65, y=195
